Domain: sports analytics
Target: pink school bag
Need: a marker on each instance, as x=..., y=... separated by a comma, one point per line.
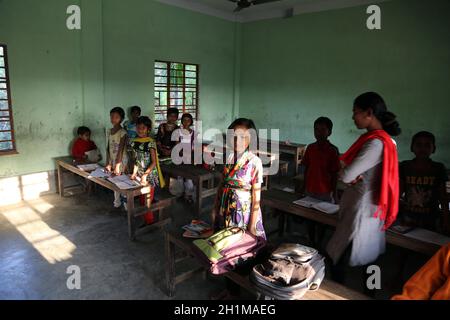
x=241, y=246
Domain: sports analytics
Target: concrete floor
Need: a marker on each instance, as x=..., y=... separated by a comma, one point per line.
x=40, y=239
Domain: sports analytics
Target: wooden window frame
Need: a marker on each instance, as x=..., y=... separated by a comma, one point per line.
x=9, y=101
x=182, y=108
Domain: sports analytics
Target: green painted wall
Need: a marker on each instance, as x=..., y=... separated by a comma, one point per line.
x=62, y=79
x=44, y=68
x=136, y=33
x=282, y=72
x=295, y=70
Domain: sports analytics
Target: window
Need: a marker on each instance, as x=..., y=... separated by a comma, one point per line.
x=176, y=85
x=7, y=143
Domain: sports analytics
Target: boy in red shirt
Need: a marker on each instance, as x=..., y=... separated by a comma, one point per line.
x=321, y=163
x=321, y=167
x=82, y=144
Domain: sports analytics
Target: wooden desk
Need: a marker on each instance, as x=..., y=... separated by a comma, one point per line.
x=329, y=290
x=199, y=177
x=282, y=201
x=68, y=164
x=292, y=148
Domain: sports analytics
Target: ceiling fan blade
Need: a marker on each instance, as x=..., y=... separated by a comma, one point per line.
x=238, y=9
x=255, y=2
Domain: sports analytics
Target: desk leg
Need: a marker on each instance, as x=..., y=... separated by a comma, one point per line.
x=199, y=196
x=60, y=181
x=170, y=266
x=131, y=219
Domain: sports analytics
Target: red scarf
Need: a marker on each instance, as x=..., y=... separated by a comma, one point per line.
x=389, y=192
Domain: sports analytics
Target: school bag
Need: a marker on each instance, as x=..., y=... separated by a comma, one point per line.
x=227, y=248
x=290, y=272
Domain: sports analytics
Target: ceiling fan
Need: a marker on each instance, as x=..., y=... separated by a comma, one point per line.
x=243, y=4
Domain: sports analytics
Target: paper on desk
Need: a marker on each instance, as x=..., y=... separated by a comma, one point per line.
x=310, y=202
x=307, y=202
x=124, y=182
x=287, y=189
x=428, y=236
x=100, y=172
x=88, y=167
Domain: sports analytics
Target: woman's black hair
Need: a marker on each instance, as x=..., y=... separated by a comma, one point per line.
x=426, y=135
x=174, y=111
x=373, y=101
x=82, y=130
x=135, y=109
x=325, y=121
x=244, y=122
x=145, y=121
x=189, y=116
x=119, y=111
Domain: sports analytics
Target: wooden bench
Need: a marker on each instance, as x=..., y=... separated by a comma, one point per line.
x=164, y=199
x=329, y=290
x=282, y=202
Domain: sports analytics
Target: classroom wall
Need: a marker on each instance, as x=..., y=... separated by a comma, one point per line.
x=297, y=69
x=138, y=32
x=61, y=79
x=282, y=72
x=44, y=69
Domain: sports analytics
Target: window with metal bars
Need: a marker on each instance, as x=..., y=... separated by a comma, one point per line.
x=176, y=86
x=7, y=142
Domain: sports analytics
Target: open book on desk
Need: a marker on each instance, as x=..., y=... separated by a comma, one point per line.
x=428, y=236
x=310, y=202
x=124, y=182
x=100, y=172
x=88, y=166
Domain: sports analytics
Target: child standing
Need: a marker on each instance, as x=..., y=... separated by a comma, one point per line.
x=82, y=144
x=130, y=125
x=321, y=162
x=116, y=160
x=146, y=164
x=422, y=181
x=238, y=197
x=321, y=165
x=187, y=138
x=164, y=136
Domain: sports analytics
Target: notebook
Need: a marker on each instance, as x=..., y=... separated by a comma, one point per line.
x=197, y=229
x=124, y=182
x=428, y=236
x=100, y=172
x=88, y=167
x=310, y=202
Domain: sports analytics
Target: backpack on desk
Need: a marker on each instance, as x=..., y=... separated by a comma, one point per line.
x=291, y=271
x=227, y=248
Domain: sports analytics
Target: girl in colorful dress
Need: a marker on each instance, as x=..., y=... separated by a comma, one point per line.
x=146, y=165
x=238, y=199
